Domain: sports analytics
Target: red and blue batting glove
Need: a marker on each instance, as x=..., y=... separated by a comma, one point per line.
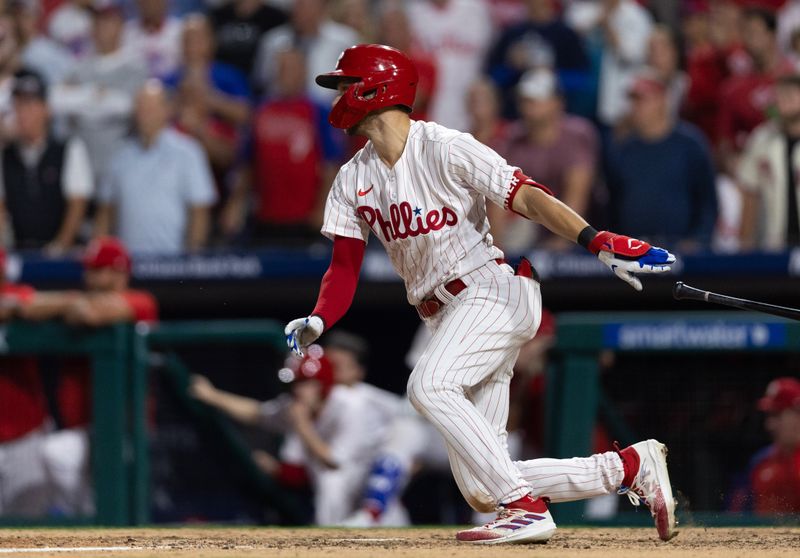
x=626, y=256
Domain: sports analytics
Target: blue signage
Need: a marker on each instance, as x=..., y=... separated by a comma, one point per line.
x=694, y=335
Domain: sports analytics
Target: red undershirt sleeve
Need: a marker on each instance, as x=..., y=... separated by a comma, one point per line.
x=339, y=282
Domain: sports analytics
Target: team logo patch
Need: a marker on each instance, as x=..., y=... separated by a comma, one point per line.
x=405, y=221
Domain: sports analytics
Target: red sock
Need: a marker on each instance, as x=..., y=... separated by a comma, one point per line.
x=528, y=503
x=630, y=464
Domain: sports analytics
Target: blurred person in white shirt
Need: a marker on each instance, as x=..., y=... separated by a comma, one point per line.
x=97, y=98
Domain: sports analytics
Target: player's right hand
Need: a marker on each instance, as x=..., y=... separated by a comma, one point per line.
x=627, y=256
x=300, y=333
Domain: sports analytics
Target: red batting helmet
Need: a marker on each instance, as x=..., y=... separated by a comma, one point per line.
x=382, y=77
x=313, y=366
x=107, y=252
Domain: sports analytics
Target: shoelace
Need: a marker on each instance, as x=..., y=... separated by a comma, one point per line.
x=633, y=497
x=502, y=515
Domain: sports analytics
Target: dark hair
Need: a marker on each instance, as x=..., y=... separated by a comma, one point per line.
x=766, y=16
x=347, y=342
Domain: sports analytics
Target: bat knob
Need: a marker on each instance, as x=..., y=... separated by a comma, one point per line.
x=678, y=290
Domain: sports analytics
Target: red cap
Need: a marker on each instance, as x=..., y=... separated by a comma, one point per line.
x=782, y=393
x=313, y=366
x=107, y=252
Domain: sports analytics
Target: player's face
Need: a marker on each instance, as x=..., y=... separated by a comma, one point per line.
x=346, y=369
x=340, y=90
x=104, y=280
x=784, y=427
x=308, y=392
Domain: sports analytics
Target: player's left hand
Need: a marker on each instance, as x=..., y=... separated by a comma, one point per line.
x=300, y=333
x=627, y=256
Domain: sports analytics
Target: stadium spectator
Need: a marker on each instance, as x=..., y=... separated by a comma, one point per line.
x=355, y=14
x=394, y=29
x=543, y=40
x=774, y=474
x=334, y=430
x=457, y=33
x=714, y=53
x=625, y=30
x=788, y=23
x=107, y=299
x=36, y=51
x=558, y=149
x=506, y=13
x=664, y=58
x=24, y=420
x=768, y=172
x=291, y=154
x=70, y=25
x=155, y=36
x=158, y=191
x=96, y=100
x=483, y=106
x=45, y=183
x=238, y=28
x=212, y=97
x=321, y=39
x=745, y=99
x=661, y=178
x=9, y=63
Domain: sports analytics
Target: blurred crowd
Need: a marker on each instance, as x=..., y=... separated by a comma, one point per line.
x=179, y=125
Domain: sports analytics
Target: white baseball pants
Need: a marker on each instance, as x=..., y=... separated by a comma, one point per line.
x=461, y=385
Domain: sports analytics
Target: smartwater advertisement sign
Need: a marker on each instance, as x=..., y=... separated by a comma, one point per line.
x=694, y=335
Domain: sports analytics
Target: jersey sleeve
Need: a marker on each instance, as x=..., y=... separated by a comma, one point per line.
x=341, y=218
x=478, y=167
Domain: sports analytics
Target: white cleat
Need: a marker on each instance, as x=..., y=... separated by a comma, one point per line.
x=362, y=518
x=513, y=525
x=651, y=486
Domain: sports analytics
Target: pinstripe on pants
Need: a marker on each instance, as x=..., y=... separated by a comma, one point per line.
x=461, y=383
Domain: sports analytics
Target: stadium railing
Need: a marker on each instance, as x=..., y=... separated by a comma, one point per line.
x=574, y=396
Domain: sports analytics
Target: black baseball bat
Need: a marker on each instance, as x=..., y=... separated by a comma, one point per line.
x=681, y=291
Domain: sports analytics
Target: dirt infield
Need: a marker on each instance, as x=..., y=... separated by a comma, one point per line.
x=214, y=542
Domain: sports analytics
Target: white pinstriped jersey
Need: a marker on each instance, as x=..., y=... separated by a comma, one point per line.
x=429, y=210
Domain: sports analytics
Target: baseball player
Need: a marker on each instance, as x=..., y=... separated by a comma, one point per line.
x=24, y=419
x=421, y=189
x=107, y=299
x=334, y=426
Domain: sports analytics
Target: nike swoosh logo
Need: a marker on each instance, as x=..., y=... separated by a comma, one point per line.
x=367, y=191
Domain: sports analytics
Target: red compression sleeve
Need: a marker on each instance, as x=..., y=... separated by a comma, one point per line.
x=339, y=282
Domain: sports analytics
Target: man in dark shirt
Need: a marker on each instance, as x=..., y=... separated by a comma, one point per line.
x=45, y=183
x=543, y=40
x=238, y=26
x=661, y=177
